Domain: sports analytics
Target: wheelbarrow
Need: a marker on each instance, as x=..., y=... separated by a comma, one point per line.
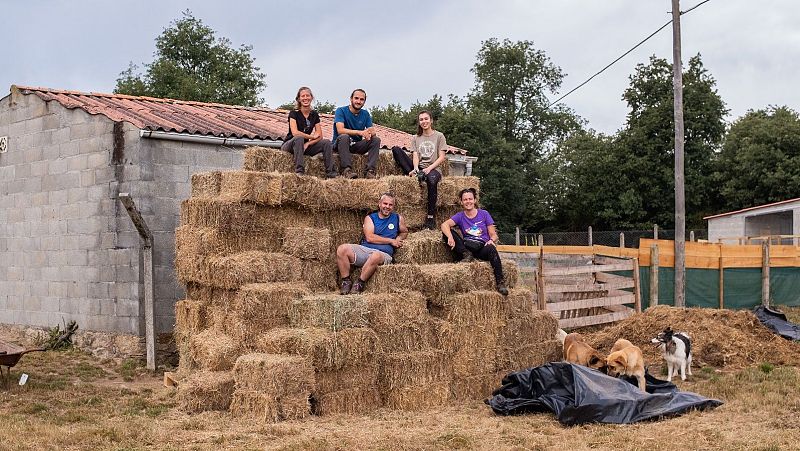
x=9, y=356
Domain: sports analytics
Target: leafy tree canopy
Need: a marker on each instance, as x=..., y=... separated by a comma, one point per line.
x=192, y=64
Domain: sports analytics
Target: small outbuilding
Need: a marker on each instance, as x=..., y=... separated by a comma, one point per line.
x=779, y=220
x=68, y=249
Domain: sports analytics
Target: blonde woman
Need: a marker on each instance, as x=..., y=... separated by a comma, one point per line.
x=305, y=134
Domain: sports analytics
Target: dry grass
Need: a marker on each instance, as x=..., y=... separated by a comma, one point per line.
x=74, y=401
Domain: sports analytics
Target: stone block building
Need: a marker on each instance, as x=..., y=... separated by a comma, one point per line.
x=68, y=249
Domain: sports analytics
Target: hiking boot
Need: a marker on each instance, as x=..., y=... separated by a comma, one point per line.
x=300, y=171
x=371, y=174
x=467, y=257
x=332, y=175
x=358, y=287
x=346, y=286
x=349, y=174
x=429, y=224
x=502, y=289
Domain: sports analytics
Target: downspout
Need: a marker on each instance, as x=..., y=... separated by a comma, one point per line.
x=213, y=140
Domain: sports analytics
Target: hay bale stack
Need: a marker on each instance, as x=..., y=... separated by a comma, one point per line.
x=528, y=355
x=484, y=276
x=349, y=378
x=474, y=307
x=328, y=311
x=325, y=349
x=206, y=390
x=473, y=348
x=449, y=188
x=194, y=243
x=259, y=307
x=393, y=278
x=352, y=401
x=418, y=368
x=423, y=248
x=418, y=397
x=206, y=184
x=401, y=321
x=233, y=271
x=479, y=386
x=440, y=281
x=254, y=404
x=248, y=186
x=190, y=317
x=208, y=294
x=213, y=350
x=307, y=243
x=320, y=276
x=264, y=159
x=272, y=387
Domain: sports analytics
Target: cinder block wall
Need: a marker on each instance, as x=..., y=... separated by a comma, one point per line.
x=68, y=249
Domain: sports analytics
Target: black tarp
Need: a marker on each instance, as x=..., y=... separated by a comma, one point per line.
x=776, y=322
x=577, y=394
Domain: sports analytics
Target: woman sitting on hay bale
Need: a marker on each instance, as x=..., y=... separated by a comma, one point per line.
x=305, y=134
x=428, y=149
x=478, y=236
x=384, y=231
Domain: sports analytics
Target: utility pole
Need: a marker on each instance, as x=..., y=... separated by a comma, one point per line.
x=680, y=206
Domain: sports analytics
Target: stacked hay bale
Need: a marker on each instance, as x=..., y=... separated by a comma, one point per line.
x=263, y=333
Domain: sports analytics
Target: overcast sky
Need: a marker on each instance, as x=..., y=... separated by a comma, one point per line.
x=401, y=52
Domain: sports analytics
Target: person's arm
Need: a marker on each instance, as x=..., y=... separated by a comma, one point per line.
x=372, y=237
x=403, y=229
x=448, y=233
x=493, y=238
x=315, y=137
x=296, y=131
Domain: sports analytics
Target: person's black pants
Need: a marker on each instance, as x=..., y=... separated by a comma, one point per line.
x=432, y=180
x=481, y=251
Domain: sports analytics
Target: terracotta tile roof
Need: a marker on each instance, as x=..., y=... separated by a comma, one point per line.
x=197, y=118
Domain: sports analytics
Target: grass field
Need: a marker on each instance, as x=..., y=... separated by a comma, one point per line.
x=74, y=401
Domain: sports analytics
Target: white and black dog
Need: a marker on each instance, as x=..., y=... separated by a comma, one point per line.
x=677, y=351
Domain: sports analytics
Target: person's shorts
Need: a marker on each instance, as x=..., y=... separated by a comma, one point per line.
x=362, y=253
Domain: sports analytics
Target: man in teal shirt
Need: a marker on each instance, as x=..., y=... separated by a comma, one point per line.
x=353, y=132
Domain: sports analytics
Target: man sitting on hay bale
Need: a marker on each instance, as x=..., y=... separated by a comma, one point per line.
x=478, y=236
x=384, y=231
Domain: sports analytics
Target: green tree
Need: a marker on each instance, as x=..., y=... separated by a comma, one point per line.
x=760, y=159
x=192, y=64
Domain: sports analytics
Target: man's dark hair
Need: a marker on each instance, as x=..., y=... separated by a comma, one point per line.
x=468, y=190
x=356, y=90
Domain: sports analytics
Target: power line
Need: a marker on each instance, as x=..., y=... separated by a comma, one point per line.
x=622, y=56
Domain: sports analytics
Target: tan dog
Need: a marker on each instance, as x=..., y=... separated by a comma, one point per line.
x=626, y=359
x=579, y=352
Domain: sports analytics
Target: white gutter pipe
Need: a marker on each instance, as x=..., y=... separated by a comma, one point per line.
x=214, y=140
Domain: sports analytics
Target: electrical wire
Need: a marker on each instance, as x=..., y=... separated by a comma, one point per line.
x=622, y=56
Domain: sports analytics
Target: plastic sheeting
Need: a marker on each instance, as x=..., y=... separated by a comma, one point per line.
x=776, y=322
x=577, y=395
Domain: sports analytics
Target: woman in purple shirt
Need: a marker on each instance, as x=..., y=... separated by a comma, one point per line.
x=478, y=236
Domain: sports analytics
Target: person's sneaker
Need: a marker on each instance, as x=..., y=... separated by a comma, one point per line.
x=429, y=224
x=371, y=174
x=346, y=286
x=501, y=288
x=300, y=171
x=467, y=257
x=358, y=287
x=332, y=175
x=349, y=174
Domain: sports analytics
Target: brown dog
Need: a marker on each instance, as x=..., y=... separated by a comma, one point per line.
x=579, y=352
x=626, y=359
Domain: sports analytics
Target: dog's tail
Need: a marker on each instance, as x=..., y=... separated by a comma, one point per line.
x=561, y=335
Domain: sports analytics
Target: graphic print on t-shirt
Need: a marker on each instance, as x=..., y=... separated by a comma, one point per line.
x=426, y=149
x=474, y=230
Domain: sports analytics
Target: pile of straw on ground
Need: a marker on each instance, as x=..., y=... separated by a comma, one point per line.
x=423, y=248
x=206, y=390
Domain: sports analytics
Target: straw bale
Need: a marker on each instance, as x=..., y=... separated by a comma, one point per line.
x=401, y=369
x=233, y=271
x=264, y=159
x=274, y=374
x=213, y=350
x=336, y=220
x=353, y=377
x=442, y=280
x=423, y=248
x=190, y=317
x=474, y=307
x=478, y=386
x=386, y=309
x=414, y=215
x=307, y=243
x=197, y=242
x=418, y=397
x=260, y=307
x=209, y=294
x=385, y=167
x=235, y=217
x=248, y=186
x=469, y=361
x=325, y=349
x=319, y=276
x=412, y=336
x=303, y=191
x=206, y=184
x=520, y=301
x=528, y=355
x=484, y=276
x=329, y=311
x=393, y=278
x=534, y=327
x=206, y=390
x=263, y=406
x=449, y=188
x=351, y=401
